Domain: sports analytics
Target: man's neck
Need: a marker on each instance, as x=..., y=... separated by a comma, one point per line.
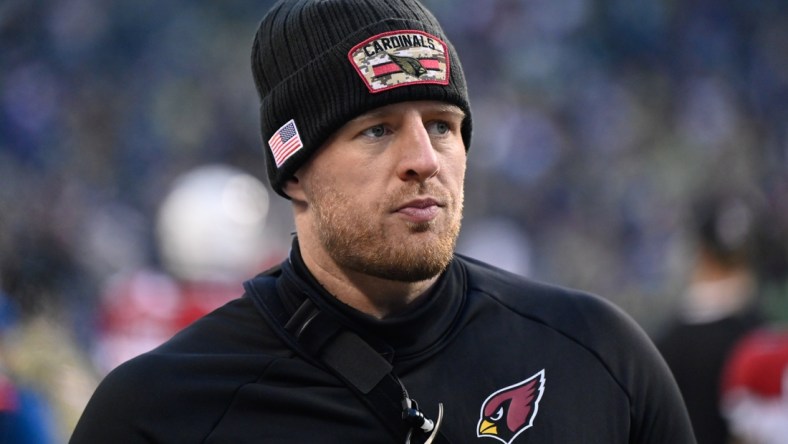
x=374, y=296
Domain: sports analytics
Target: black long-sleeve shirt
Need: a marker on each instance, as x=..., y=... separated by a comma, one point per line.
x=509, y=359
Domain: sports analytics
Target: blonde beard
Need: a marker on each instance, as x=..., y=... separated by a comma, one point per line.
x=355, y=242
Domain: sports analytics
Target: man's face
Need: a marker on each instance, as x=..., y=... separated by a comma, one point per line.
x=384, y=195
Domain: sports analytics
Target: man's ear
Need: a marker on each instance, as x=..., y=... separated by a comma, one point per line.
x=294, y=189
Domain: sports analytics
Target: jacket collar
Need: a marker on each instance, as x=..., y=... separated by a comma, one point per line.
x=422, y=328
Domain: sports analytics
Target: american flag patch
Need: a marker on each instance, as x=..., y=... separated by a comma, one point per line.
x=285, y=142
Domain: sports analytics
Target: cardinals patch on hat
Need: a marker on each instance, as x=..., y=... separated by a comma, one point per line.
x=400, y=58
x=511, y=410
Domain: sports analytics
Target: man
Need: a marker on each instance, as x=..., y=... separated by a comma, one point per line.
x=373, y=330
x=718, y=308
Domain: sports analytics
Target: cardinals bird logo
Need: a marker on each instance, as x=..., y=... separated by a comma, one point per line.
x=409, y=65
x=510, y=411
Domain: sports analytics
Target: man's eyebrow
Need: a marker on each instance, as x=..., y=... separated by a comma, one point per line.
x=451, y=109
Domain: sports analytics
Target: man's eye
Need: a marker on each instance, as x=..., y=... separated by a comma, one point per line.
x=440, y=127
x=375, y=131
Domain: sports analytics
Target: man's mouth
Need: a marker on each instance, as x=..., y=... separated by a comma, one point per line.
x=420, y=210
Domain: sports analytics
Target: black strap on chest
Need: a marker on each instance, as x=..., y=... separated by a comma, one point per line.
x=319, y=338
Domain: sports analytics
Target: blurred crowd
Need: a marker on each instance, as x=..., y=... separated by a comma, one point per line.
x=598, y=128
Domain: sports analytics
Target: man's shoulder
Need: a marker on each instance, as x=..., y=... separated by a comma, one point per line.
x=234, y=328
x=201, y=368
x=583, y=317
x=532, y=297
x=234, y=333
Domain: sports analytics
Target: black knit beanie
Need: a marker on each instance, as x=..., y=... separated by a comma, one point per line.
x=319, y=63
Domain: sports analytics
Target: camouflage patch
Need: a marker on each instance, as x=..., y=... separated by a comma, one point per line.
x=400, y=58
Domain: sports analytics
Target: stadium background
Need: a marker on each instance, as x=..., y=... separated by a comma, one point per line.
x=598, y=123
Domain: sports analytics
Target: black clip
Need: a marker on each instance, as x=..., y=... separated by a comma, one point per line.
x=415, y=417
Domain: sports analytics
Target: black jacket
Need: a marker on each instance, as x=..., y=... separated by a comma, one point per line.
x=526, y=362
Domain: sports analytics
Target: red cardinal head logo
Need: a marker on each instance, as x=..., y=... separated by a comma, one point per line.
x=511, y=410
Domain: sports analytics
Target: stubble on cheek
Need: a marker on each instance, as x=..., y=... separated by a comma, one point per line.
x=355, y=238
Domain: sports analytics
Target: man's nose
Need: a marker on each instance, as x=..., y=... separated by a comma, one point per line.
x=418, y=159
